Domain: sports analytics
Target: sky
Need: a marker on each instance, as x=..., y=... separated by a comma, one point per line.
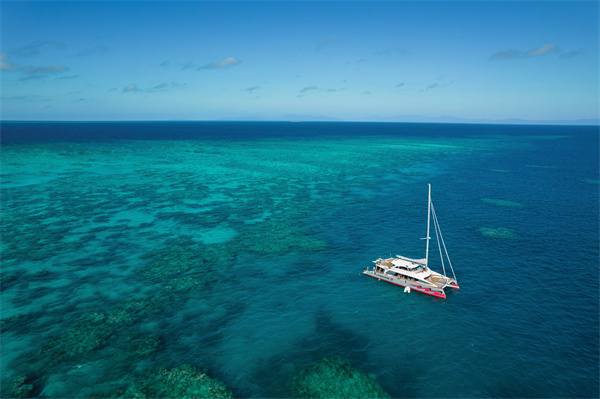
x=311, y=60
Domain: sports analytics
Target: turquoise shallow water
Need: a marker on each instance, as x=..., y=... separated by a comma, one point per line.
x=238, y=247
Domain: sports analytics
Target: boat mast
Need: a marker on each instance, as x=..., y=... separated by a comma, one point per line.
x=428, y=222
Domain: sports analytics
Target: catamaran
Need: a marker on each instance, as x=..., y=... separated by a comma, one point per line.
x=414, y=274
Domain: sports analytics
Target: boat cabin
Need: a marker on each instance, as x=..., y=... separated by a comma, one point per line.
x=406, y=268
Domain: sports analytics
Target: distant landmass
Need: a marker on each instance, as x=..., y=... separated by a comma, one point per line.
x=419, y=119
x=319, y=118
x=512, y=121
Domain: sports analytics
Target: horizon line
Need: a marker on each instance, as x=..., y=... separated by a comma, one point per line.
x=460, y=121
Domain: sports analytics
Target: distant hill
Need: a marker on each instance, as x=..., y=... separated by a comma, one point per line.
x=512, y=121
x=415, y=119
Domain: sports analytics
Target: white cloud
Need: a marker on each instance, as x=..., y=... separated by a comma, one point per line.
x=227, y=62
x=132, y=87
x=165, y=86
x=336, y=90
x=5, y=65
x=161, y=87
x=308, y=88
x=36, y=48
x=543, y=50
x=30, y=70
x=187, y=65
x=516, y=54
x=67, y=77
x=570, y=54
x=33, y=72
x=505, y=55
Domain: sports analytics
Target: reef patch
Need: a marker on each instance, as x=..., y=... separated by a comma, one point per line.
x=180, y=382
x=336, y=378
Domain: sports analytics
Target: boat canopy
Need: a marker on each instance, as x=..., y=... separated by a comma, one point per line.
x=419, y=261
x=408, y=263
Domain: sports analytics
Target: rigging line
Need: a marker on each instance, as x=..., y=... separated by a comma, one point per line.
x=436, y=227
x=445, y=250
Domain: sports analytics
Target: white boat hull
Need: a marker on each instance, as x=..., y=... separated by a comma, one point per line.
x=433, y=291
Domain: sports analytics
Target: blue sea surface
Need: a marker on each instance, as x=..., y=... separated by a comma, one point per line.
x=238, y=247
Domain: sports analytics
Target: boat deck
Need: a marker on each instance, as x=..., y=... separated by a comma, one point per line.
x=434, y=280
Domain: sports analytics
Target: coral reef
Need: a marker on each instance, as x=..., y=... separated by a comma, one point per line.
x=182, y=284
x=180, y=382
x=279, y=236
x=182, y=256
x=19, y=387
x=94, y=330
x=186, y=266
x=171, y=262
x=335, y=378
x=143, y=346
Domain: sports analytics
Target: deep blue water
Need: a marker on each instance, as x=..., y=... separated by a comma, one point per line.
x=13, y=132
x=284, y=217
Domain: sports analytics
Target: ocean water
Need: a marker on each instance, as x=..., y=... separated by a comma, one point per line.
x=238, y=248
